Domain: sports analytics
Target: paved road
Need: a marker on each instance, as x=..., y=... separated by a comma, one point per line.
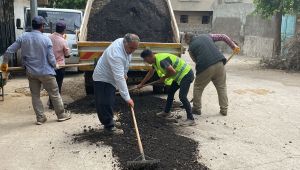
x=262, y=130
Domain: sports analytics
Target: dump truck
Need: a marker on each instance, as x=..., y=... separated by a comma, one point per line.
x=90, y=51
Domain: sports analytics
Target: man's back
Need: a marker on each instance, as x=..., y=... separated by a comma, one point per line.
x=36, y=51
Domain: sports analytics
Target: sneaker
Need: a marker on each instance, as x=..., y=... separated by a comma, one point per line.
x=42, y=120
x=113, y=131
x=164, y=114
x=64, y=116
x=223, y=112
x=187, y=122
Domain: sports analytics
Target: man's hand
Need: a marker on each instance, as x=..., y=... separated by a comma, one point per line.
x=4, y=67
x=130, y=103
x=236, y=50
x=139, y=86
x=162, y=79
x=57, y=67
x=126, y=77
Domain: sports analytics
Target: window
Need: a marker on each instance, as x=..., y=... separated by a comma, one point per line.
x=205, y=19
x=184, y=18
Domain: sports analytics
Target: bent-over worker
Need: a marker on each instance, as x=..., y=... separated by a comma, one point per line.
x=39, y=62
x=209, y=67
x=171, y=68
x=111, y=74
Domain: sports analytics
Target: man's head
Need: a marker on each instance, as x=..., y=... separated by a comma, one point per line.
x=60, y=27
x=38, y=23
x=148, y=56
x=131, y=43
x=188, y=36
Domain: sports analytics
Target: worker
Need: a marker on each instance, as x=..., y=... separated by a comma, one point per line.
x=39, y=62
x=209, y=67
x=61, y=51
x=111, y=74
x=171, y=68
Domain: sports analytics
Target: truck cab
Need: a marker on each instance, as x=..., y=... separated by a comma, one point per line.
x=72, y=18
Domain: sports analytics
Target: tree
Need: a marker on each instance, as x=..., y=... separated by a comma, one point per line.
x=277, y=8
x=70, y=4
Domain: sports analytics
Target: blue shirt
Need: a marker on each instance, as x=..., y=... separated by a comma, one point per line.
x=36, y=51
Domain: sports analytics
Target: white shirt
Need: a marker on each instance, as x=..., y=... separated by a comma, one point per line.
x=113, y=66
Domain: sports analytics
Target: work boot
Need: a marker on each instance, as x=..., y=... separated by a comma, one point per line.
x=196, y=111
x=113, y=131
x=223, y=112
x=41, y=120
x=64, y=116
x=187, y=122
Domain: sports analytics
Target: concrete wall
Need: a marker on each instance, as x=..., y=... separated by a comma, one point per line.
x=259, y=35
x=194, y=22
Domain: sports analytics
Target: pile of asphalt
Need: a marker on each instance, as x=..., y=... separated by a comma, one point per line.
x=150, y=19
x=159, y=137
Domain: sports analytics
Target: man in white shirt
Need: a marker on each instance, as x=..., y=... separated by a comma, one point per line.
x=111, y=74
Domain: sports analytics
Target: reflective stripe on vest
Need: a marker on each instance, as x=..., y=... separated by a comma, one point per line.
x=180, y=72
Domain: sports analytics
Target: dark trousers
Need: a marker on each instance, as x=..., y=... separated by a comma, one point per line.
x=183, y=92
x=105, y=99
x=60, y=74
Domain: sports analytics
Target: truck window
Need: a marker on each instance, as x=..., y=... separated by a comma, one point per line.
x=72, y=20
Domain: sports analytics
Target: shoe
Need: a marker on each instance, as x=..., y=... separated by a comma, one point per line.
x=223, y=112
x=64, y=116
x=42, y=120
x=187, y=122
x=113, y=131
x=196, y=111
x=164, y=114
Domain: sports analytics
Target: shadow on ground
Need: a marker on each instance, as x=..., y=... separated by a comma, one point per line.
x=159, y=138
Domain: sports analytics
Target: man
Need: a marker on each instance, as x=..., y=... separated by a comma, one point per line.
x=209, y=67
x=170, y=67
x=39, y=61
x=111, y=74
x=61, y=51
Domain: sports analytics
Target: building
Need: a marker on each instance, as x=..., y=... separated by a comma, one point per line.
x=194, y=15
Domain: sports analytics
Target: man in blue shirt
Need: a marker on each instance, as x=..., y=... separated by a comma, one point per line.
x=39, y=62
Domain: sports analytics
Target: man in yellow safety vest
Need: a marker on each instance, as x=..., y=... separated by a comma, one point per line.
x=171, y=68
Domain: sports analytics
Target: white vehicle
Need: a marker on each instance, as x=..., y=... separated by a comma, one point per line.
x=72, y=18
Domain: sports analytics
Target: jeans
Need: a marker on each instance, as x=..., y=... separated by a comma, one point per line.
x=50, y=84
x=183, y=92
x=105, y=99
x=217, y=74
x=60, y=74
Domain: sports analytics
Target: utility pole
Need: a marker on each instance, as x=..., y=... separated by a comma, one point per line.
x=33, y=8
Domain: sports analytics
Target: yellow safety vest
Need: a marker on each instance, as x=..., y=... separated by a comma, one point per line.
x=180, y=66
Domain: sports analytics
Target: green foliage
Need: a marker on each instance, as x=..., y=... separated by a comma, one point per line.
x=69, y=4
x=268, y=8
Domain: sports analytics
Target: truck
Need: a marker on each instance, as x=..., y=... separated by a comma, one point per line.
x=7, y=27
x=72, y=18
x=90, y=51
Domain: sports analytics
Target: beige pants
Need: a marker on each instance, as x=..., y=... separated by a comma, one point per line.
x=50, y=85
x=217, y=74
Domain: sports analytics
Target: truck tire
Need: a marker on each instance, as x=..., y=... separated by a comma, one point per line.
x=88, y=80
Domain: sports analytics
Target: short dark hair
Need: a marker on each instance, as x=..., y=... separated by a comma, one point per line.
x=146, y=53
x=60, y=29
x=36, y=26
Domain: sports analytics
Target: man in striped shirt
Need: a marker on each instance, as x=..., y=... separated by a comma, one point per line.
x=209, y=67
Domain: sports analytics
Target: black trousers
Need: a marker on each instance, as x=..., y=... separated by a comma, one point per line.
x=60, y=74
x=184, y=88
x=105, y=99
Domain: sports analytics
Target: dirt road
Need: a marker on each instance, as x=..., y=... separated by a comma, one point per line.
x=262, y=130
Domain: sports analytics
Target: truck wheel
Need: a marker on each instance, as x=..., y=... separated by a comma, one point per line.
x=158, y=89
x=88, y=80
